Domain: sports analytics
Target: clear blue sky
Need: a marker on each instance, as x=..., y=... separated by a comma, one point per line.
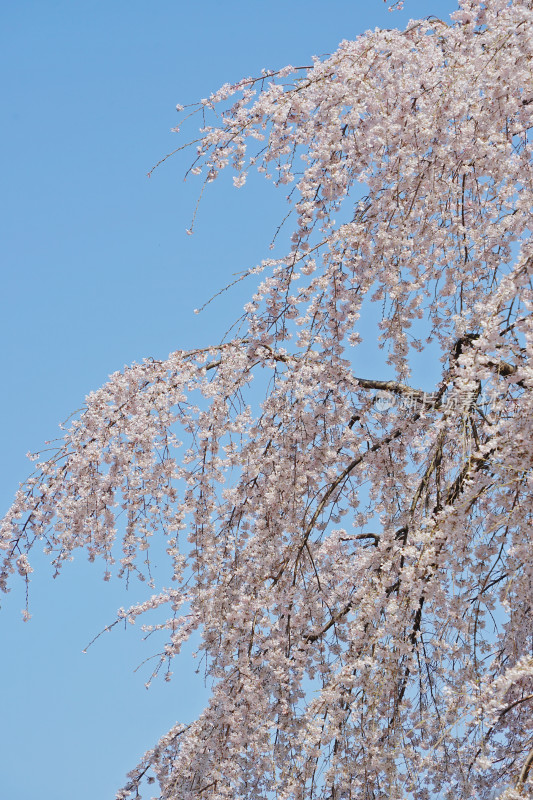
x=97, y=272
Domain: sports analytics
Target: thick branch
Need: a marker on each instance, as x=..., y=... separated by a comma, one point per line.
x=522, y=778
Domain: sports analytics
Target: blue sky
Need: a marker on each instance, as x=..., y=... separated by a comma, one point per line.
x=97, y=272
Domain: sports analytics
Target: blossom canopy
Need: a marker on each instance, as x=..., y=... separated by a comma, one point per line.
x=355, y=551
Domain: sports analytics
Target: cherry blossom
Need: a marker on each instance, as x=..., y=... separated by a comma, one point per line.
x=354, y=550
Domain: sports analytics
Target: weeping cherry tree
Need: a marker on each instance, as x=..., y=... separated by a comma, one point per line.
x=354, y=552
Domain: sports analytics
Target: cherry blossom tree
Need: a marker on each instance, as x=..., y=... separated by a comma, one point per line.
x=355, y=551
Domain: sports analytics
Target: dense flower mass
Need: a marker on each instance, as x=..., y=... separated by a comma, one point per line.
x=355, y=551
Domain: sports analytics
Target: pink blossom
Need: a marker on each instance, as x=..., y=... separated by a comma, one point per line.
x=360, y=571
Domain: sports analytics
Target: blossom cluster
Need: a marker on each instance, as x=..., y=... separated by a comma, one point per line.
x=362, y=582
